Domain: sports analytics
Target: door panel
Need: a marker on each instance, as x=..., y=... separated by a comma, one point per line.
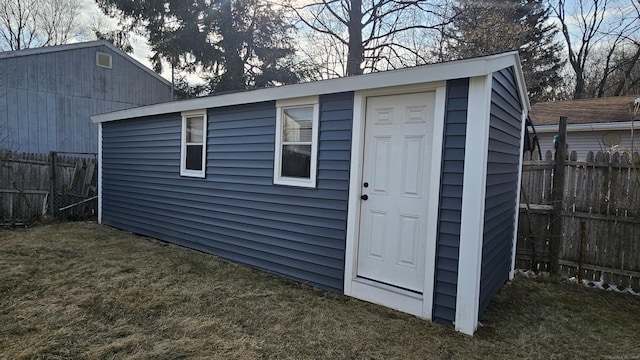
x=391, y=247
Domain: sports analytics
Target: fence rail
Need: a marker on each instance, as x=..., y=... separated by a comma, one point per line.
x=600, y=217
x=63, y=185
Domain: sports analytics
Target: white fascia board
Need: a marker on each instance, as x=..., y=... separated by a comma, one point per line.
x=618, y=125
x=522, y=86
x=473, y=204
x=408, y=76
x=52, y=49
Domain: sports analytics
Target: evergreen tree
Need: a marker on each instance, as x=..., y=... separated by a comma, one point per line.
x=238, y=44
x=493, y=26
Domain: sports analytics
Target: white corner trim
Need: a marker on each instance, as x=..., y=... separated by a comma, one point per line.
x=353, y=208
x=473, y=202
x=99, y=173
x=433, y=210
x=517, y=204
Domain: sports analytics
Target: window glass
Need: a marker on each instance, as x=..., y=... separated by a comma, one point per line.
x=296, y=161
x=194, y=157
x=194, y=129
x=297, y=124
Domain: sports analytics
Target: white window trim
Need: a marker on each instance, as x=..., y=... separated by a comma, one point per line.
x=277, y=161
x=183, y=145
x=98, y=54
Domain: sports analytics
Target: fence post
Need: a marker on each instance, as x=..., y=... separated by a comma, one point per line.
x=557, y=197
x=52, y=193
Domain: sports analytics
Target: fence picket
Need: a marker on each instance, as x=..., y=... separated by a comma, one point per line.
x=28, y=188
x=603, y=192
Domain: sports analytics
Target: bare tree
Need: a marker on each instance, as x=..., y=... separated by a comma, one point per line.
x=614, y=72
x=328, y=55
x=35, y=23
x=595, y=32
x=102, y=27
x=377, y=34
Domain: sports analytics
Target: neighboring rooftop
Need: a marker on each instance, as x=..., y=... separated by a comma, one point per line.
x=80, y=45
x=584, y=111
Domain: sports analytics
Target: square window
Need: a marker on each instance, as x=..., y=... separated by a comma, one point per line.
x=193, y=154
x=103, y=60
x=296, y=142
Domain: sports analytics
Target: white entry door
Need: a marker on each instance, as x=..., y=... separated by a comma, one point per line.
x=397, y=153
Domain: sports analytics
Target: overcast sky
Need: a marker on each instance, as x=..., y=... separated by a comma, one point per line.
x=89, y=10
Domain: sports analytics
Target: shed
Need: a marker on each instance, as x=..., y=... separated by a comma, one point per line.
x=399, y=188
x=48, y=94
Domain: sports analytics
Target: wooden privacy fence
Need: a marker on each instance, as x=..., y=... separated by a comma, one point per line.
x=55, y=184
x=598, y=213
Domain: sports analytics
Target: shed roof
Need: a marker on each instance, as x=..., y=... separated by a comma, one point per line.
x=80, y=45
x=584, y=111
x=480, y=66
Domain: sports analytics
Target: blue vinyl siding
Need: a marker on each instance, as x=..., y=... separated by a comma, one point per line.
x=449, y=218
x=47, y=95
x=502, y=184
x=235, y=212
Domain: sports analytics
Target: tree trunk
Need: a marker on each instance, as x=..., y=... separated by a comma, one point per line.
x=578, y=92
x=233, y=77
x=355, y=58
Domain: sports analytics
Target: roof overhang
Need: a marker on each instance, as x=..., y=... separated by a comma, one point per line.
x=481, y=66
x=618, y=125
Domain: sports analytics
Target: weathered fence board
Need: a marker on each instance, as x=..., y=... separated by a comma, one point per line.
x=32, y=185
x=600, y=237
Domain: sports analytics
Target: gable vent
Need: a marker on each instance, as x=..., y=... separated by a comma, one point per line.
x=103, y=60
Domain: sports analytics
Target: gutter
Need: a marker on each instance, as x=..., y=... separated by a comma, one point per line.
x=618, y=125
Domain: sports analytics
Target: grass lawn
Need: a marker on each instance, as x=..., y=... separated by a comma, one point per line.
x=81, y=290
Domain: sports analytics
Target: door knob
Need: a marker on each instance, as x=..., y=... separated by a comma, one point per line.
x=364, y=197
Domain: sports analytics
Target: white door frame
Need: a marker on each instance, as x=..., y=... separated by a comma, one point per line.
x=416, y=304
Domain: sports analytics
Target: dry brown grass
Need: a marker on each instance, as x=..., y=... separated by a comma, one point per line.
x=80, y=290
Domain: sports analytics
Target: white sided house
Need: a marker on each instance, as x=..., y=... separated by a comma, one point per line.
x=603, y=124
x=398, y=188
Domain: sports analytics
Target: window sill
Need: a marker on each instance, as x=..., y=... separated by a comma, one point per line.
x=306, y=183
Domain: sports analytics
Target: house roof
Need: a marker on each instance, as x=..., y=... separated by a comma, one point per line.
x=80, y=45
x=480, y=66
x=584, y=111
